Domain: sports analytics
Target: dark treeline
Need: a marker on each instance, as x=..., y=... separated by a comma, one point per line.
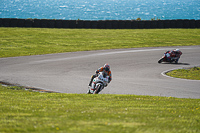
x=100, y=24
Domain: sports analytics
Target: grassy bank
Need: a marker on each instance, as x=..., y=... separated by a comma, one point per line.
x=192, y=73
x=25, y=111
x=34, y=41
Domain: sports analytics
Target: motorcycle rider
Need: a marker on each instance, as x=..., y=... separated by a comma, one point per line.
x=106, y=70
x=174, y=54
x=167, y=55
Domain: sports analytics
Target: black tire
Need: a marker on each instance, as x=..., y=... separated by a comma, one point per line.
x=99, y=88
x=161, y=60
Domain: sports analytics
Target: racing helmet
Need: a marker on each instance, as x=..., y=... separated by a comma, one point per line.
x=177, y=50
x=107, y=67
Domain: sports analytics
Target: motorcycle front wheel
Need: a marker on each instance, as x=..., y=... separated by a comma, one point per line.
x=99, y=88
x=161, y=60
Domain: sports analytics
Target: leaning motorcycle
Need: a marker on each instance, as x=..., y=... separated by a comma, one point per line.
x=98, y=83
x=172, y=59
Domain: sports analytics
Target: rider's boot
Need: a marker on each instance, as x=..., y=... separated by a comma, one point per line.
x=176, y=61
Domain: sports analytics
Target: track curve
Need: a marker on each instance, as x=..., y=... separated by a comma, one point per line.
x=135, y=71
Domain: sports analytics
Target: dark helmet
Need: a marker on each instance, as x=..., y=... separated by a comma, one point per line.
x=107, y=67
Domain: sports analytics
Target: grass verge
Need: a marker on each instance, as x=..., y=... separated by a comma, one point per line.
x=35, y=41
x=192, y=73
x=25, y=111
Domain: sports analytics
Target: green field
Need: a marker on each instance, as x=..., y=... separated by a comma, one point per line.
x=34, y=41
x=25, y=111
x=192, y=73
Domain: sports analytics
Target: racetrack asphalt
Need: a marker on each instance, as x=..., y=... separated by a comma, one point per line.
x=134, y=71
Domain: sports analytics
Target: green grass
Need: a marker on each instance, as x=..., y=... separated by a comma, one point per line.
x=25, y=111
x=192, y=73
x=34, y=41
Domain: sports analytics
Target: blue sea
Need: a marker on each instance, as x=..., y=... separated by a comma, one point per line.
x=101, y=9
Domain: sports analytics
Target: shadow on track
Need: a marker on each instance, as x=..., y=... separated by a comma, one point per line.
x=175, y=63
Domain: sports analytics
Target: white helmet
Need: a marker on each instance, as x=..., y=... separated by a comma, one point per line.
x=176, y=50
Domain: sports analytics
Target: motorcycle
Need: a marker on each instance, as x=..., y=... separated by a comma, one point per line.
x=173, y=58
x=98, y=83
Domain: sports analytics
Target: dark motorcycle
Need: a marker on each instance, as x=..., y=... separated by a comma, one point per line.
x=171, y=56
x=164, y=59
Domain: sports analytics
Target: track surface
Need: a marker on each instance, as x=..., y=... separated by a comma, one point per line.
x=134, y=71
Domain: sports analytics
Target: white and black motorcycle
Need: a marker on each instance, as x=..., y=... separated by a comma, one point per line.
x=98, y=83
